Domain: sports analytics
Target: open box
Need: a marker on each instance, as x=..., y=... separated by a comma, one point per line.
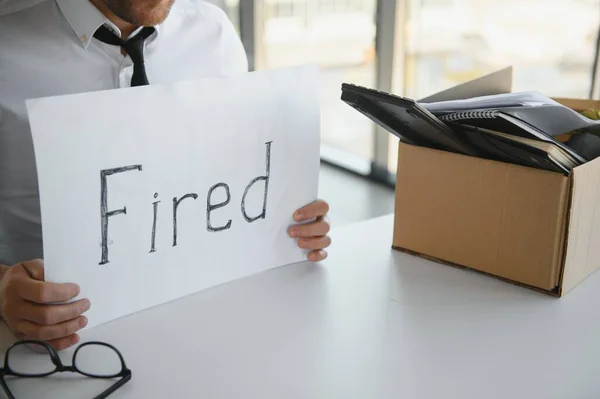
x=527, y=226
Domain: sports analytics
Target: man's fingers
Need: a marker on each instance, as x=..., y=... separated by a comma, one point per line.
x=34, y=268
x=64, y=343
x=311, y=211
x=48, y=333
x=317, y=256
x=53, y=314
x=316, y=229
x=314, y=243
x=44, y=293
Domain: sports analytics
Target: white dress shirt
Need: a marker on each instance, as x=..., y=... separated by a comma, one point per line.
x=48, y=49
x=9, y=6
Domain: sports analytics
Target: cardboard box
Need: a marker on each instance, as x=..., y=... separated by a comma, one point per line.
x=527, y=226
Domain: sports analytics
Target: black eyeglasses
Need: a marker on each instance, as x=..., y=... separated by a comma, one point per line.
x=91, y=359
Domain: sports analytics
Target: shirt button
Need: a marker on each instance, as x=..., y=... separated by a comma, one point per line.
x=83, y=38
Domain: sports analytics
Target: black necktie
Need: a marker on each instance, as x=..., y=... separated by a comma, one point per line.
x=134, y=47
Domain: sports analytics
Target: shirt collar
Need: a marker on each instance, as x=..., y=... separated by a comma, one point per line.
x=85, y=19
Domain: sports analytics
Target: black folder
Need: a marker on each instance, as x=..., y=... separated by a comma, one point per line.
x=506, y=150
x=496, y=119
x=406, y=119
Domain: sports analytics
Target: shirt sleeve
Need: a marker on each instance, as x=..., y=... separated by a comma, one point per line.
x=235, y=59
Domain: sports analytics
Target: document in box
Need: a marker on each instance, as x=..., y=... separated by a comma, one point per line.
x=554, y=120
x=518, y=150
x=173, y=189
x=531, y=107
x=519, y=99
x=499, y=121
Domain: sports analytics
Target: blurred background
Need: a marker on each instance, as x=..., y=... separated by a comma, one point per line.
x=415, y=48
x=411, y=48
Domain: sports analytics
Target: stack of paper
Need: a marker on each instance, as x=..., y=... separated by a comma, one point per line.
x=531, y=107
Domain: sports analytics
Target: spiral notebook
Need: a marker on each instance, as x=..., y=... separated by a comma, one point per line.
x=498, y=121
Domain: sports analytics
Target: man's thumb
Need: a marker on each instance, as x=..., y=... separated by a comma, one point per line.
x=35, y=269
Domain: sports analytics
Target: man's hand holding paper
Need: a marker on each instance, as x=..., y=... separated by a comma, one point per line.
x=27, y=305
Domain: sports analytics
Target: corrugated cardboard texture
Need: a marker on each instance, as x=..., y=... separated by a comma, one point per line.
x=583, y=242
x=502, y=219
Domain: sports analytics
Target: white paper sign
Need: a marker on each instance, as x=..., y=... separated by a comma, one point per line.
x=152, y=193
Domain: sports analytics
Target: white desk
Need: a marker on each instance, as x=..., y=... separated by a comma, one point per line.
x=369, y=323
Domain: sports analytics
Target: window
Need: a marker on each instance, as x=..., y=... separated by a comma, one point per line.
x=425, y=46
x=339, y=36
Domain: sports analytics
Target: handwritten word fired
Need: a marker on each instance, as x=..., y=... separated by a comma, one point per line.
x=105, y=214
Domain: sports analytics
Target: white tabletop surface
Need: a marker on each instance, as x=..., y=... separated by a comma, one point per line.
x=368, y=323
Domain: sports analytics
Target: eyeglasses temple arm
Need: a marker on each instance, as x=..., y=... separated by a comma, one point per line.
x=113, y=388
x=5, y=387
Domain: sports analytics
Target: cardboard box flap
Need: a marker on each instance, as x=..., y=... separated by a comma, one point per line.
x=577, y=104
x=583, y=236
x=498, y=82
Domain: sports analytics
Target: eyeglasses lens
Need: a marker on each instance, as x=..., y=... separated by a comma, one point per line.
x=29, y=359
x=98, y=360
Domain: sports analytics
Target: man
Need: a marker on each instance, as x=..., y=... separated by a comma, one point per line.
x=60, y=47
